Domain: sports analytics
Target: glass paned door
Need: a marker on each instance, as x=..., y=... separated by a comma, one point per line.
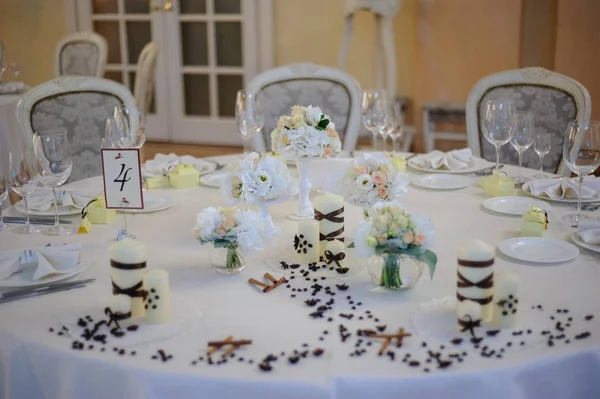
x=127, y=26
x=211, y=52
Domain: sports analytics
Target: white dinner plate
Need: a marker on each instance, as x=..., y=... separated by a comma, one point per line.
x=25, y=278
x=513, y=205
x=203, y=166
x=62, y=210
x=441, y=181
x=153, y=203
x=213, y=179
x=577, y=240
x=538, y=250
x=527, y=189
x=476, y=165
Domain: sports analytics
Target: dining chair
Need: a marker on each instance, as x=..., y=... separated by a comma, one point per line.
x=80, y=105
x=554, y=100
x=337, y=93
x=145, y=76
x=81, y=53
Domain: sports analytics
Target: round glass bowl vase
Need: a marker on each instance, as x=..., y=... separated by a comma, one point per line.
x=395, y=272
x=227, y=260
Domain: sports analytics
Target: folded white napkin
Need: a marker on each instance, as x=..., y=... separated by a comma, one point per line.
x=42, y=199
x=451, y=160
x=12, y=87
x=565, y=188
x=46, y=260
x=162, y=163
x=589, y=231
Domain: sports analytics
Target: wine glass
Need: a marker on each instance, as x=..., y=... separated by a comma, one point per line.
x=23, y=179
x=522, y=139
x=249, y=117
x=499, y=124
x=370, y=99
x=395, y=128
x=3, y=196
x=380, y=117
x=581, y=153
x=541, y=144
x=53, y=154
x=130, y=126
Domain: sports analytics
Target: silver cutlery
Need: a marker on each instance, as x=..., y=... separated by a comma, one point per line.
x=42, y=221
x=488, y=171
x=43, y=290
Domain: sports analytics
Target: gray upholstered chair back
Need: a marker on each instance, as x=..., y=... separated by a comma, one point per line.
x=82, y=54
x=554, y=100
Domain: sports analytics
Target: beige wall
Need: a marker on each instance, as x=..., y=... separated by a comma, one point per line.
x=30, y=30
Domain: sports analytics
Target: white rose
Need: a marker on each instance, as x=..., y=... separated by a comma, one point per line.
x=364, y=183
x=313, y=115
x=255, y=183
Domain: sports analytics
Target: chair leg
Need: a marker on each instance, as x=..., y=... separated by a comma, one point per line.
x=387, y=37
x=427, y=132
x=346, y=42
x=379, y=47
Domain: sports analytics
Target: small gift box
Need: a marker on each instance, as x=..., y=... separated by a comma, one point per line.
x=157, y=182
x=97, y=213
x=184, y=176
x=398, y=163
x=498, y=185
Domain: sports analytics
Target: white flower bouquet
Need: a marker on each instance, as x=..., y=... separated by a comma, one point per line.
x=241, y=232
x=392, y=232
x=259, y=179
x=373, y=178
x=306, y=133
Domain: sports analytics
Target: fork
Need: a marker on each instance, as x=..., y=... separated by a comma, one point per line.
x=488, y=171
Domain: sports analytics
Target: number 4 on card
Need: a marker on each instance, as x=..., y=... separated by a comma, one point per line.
x=122, y=176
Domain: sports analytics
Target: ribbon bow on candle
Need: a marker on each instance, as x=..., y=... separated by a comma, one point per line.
x=468, y=324
x=332, y=216
x=486, y=283
x=135, y=291
x=332, y=236
x=114, y=317
x=330, y=257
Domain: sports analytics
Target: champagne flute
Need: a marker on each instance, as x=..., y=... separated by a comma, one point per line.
x=395, y=128
x=370, y=99
x=380, y=118
x=53, y=154
x=581, y=153
x=23, y=179
x=249, y=117
x=499, y=124
x=3, y=196
x=542, y=144
x=522, y=139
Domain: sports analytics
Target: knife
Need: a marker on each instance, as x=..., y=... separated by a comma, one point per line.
x=47, y=286
x=29, y=293
x=21, y=220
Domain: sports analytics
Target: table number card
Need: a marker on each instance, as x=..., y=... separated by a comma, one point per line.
x=122, y=178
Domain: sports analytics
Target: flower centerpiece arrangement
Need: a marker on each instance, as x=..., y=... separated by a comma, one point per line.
x=234, y=233
x=394, y=235
x=306, y=134
x=373, y=178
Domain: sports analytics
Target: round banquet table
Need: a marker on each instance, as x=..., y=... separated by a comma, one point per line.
x=35, y=363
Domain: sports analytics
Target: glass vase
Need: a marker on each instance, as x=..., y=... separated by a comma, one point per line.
x=395, y=271
x=227, y=260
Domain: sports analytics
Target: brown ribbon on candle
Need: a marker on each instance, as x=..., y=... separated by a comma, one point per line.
x=469, y=263
x=134, y=291
x=469, y=325
x=114, y=317
x=331, y=216
x=486, y=283
x=481, y=301
x=337, y=258
x=332, y=236
x=127, y=266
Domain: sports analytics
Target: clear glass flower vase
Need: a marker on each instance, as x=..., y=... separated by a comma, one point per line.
x=227, y=260
x=394, y=271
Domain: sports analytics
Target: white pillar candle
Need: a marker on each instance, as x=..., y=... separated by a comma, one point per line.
x=329, y=211
x=119, y=308
x=306, y=242
x=506, y=300
x=468, y=312
x=128, y=266
x=332, y=254
x=158, y=298
x=475, y=274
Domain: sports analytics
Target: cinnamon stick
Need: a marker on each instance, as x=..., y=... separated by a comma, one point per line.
x=271, y=278
x=257, y=283
x=219, y=344
x=384, y=346
x=216, y=345
x=275, y=285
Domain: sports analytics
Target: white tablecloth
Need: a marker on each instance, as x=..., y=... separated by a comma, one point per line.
x=10, y=139
x=35, y=363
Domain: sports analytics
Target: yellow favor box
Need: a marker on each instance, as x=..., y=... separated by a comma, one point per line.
x=85, y=226
x=184, y=176
x=97, y=212
x=157, y=182
x=534, y=222
x=498, y=185
x=398, y=163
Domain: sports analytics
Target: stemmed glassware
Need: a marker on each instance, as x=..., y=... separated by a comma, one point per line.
x=130, y=127
x=581, y=153
x=23, y=179
x=499, y=124
x=522, y=139
x=249, y=117
x=53, y=154
x=371, y=101
x=395, y=127
x=3, y=196
x=542, y=143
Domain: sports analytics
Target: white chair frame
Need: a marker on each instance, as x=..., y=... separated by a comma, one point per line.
x=530, y=76
x=312, y=71
x=145, y=76
x=69, y=84
x=87, y=37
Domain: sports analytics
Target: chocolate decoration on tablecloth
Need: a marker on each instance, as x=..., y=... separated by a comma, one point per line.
x=114, y=317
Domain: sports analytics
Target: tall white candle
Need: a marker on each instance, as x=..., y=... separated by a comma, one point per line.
x=475, y=274
x=329, y=211
x=158, y=297
x=306, y=242
x=506, y=300
x=468, y=312
x=128, y=267
x=334, y=249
